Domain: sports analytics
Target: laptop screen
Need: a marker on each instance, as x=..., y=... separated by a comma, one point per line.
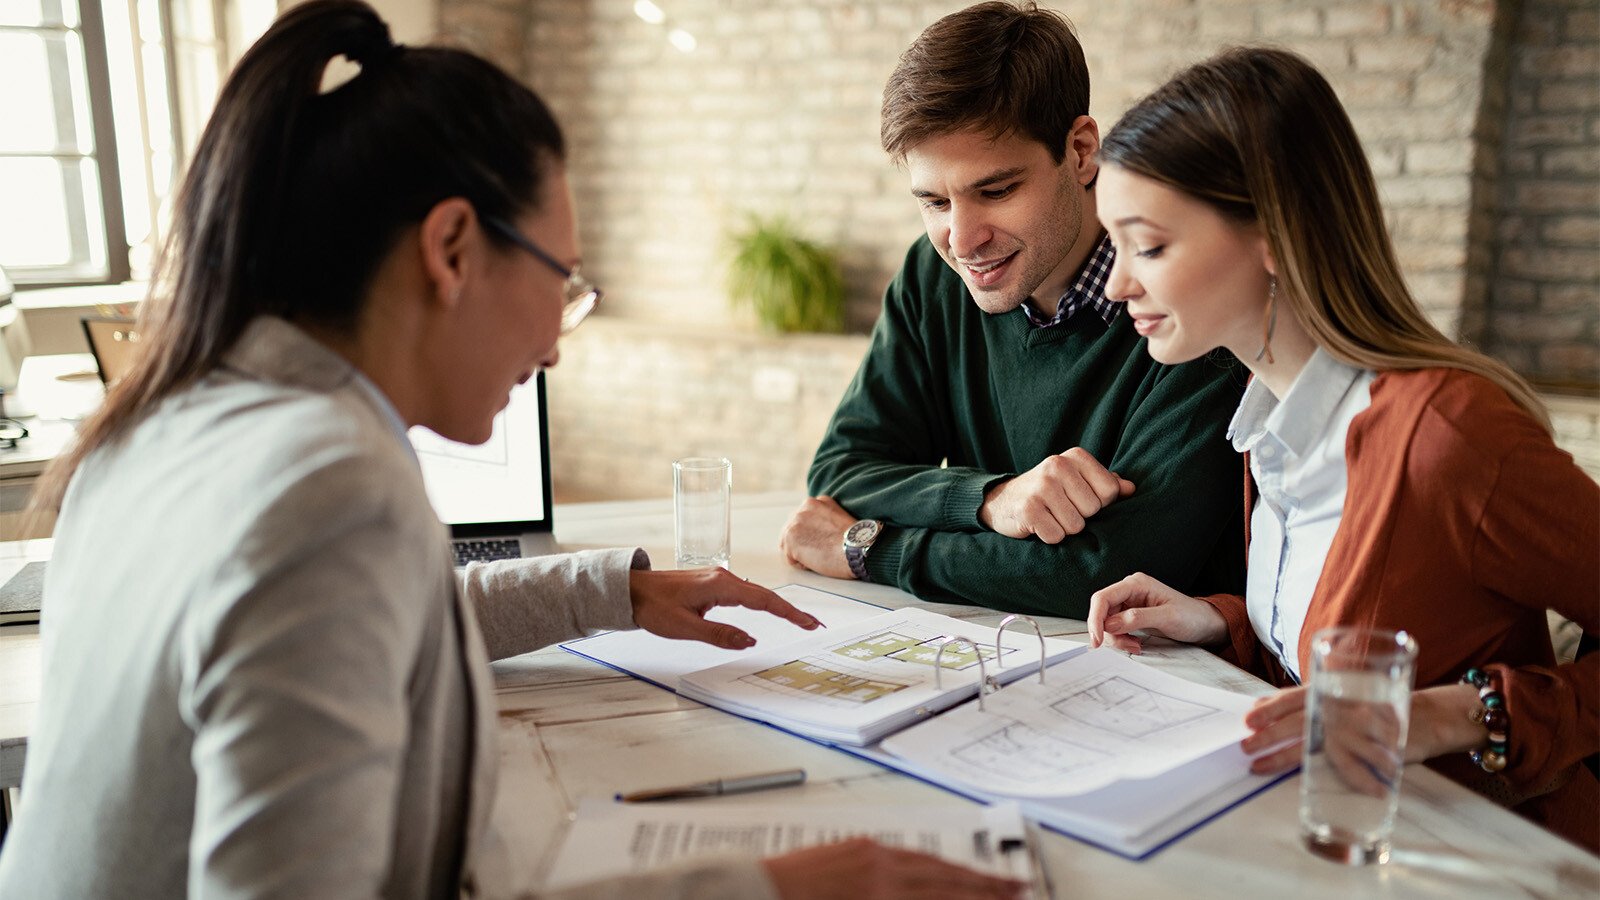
x=500, y=487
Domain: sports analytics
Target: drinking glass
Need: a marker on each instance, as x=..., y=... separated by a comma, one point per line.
x=1357, y=708
x=702, y=498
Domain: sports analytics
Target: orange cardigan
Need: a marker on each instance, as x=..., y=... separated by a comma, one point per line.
x=1462, y=523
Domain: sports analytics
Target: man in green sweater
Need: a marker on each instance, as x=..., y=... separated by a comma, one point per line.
x=1007, y=441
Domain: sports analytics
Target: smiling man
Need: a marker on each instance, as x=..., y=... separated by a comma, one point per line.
x=1008, y=442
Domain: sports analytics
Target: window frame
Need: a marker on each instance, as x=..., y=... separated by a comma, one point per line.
x=97, y=83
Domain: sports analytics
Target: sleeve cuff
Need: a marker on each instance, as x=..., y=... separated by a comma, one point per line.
x=963, y=497
x=614, y=612
x=524, y=604
x=883, y=560
x=1240, y=649
x=1545, y=739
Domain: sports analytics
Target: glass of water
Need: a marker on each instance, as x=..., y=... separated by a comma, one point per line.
x=1357, y=708
x=702, y=500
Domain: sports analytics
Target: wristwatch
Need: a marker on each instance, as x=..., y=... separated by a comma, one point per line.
x=858, y=540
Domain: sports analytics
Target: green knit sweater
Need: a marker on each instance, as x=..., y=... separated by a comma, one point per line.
x=950, y=400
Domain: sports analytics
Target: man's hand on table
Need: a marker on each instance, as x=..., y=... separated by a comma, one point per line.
x=1054, y=499
x=814, y=537
x=674, y=604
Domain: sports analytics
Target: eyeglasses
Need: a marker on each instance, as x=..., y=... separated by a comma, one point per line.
x=582, y=296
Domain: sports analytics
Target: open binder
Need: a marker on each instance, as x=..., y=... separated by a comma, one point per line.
x=943, y=729
x=858, y=684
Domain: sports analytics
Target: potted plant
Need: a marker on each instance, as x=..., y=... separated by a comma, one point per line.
x=793, y=284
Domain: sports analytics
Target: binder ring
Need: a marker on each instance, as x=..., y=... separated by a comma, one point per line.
x=1000, y=660
x=938, y=670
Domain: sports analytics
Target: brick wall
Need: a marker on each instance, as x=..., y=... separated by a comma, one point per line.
x=628, y=398
x=776, y=110
x=1545, y=306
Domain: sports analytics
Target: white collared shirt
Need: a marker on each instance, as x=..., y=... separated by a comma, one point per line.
x=1297, y=458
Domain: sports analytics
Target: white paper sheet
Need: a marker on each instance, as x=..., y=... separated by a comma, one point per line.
x=664, y=661
x=610, y=839
x=1099, y=718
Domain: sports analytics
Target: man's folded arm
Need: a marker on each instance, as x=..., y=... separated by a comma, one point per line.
x=882, y=453
x=988, y=569
x=1183, y=524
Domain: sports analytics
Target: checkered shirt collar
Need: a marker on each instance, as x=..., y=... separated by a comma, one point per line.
x=1088, y=289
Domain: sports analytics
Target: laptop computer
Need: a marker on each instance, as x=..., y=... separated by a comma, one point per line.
x=495, y=496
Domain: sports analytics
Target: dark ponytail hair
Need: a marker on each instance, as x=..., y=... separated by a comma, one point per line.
x=295, y=196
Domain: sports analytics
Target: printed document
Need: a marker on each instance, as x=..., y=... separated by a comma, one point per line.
x=1099, y=718
x=610, y=839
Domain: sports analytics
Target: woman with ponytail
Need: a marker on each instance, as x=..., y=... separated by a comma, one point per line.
x=1396, y=479
x=262, y=676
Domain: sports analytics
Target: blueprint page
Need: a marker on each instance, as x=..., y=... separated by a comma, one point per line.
x=1098, y=718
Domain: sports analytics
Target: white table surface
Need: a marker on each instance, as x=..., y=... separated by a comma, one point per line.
x=53, y=393
x=572, y=729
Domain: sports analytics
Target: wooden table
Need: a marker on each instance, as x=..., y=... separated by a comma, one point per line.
x=573, y=729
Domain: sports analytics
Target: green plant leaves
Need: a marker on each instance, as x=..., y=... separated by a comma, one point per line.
x=792, y=284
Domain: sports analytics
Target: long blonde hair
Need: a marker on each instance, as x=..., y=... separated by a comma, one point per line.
x=1258, y=134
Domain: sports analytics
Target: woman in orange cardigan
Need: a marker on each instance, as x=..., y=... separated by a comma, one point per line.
x=1395, y=479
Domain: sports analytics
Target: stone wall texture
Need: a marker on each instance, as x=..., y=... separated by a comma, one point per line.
x=628, y=399
x=1544, y=312
x=1479, y=119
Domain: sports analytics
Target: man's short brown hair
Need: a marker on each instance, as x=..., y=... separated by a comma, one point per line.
x=998, y=68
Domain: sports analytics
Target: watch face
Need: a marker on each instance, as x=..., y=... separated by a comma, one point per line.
x=863, y=533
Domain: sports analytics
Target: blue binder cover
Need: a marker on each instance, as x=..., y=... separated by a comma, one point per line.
x=1133, y=819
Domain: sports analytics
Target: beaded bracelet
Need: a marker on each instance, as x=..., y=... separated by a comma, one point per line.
x=1493, y=716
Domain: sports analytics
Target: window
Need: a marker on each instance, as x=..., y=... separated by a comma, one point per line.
x=105, y=101
x=61, y=218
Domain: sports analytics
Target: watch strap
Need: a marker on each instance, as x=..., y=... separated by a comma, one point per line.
x=857, y=559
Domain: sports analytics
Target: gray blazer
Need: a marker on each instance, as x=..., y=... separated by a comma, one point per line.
x=262, y=677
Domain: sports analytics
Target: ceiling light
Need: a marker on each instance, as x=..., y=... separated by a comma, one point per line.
x=681, y=39
x=649, y=12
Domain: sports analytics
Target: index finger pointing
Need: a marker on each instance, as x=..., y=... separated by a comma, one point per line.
x=754, y=596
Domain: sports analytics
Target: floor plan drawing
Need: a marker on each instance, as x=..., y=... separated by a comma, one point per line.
x=1096, y=718
x=1019, y=751
x=1127, y=709
x=921, y=650
x=816, y=680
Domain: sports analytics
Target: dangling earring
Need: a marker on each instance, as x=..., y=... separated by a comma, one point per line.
x=1271, y=323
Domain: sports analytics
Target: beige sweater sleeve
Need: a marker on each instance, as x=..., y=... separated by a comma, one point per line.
x=525, y=604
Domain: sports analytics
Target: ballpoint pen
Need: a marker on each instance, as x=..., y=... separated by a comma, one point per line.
x=718, y=786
